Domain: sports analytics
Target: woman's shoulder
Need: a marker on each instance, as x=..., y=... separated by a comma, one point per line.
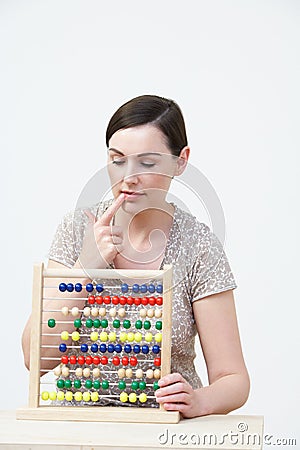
x=186, y=221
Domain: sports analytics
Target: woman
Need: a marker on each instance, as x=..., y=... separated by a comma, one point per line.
x=138, y=229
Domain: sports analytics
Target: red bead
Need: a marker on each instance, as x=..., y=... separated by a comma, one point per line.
x=73, y=359
x=64, y=359
x=81, y=360
x=104, y=360
x=99, y=299
x=145, y=301
x=89, y=359
x=159, y=301
x=91, y=299
x=106, y=299
x=156, y=362
x=133, y=361
x=130, y=300
x=152, y=301
x=123, y=300
x=125, y=360
x=115, y=300
x=116, y=360
x=137, y=301
x=96, y=360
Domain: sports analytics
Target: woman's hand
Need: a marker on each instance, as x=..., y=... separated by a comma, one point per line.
x=102, y=241
x=176, y=394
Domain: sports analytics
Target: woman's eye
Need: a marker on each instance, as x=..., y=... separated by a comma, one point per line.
x=146, y=164
x=118, y=162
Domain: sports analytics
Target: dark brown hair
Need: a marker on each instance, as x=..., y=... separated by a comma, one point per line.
x=160, y=112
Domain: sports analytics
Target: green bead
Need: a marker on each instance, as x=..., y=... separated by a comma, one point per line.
x=158, y=325
x=89, y=323
x=97, y=323
x=77, y=323
x=60, y=384
x=138, y=324
x=105, y=384
x=122, y=385
x=104, y=323
x=155, y=385
x=51, y=323
x=126, y=324
x=142, y=385
x=88, y=384
x=147, y=325
x=116, y=323
x=97, y=384
x=68, y=384
x=135, y=385
x=77, y=384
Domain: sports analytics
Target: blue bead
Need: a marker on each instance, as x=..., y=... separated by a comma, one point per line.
x=151, y=288
x=84, y=348
x=94, y=348
x=110, y=348
x=62, y=347
x=136, y=349
x=103, y=348
x=70, y=287
x=99, y=287
x=159, y=289
x=62, y=287
x=135, y=288
x=118, y=348
x=78, y=287
x=143, y=288
x=145, y=349
x=124, y=287
x=89, y=287
x=156, y=349
x=127, y=348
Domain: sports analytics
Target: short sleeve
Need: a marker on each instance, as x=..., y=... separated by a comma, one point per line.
x=211, y=272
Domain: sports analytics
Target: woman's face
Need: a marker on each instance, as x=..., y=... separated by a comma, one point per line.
x=141, y=165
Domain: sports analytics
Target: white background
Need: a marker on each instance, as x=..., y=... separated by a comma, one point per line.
x=233, y=67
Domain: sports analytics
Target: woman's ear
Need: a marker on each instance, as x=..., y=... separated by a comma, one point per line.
x=182, y=160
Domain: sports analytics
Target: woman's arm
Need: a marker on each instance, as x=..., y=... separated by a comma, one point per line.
x=229, y=384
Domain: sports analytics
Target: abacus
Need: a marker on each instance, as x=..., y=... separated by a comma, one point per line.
x=118, y=345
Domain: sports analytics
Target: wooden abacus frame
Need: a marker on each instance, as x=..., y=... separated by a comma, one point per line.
x=35, y=411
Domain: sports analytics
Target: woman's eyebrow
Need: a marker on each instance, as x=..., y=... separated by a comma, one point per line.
x=140, y=155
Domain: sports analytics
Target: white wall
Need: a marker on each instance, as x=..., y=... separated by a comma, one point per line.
x=233, y=66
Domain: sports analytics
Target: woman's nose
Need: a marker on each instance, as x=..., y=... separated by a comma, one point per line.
x=131, y=174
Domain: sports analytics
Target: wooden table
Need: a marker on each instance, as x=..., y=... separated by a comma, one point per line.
x=201, y=433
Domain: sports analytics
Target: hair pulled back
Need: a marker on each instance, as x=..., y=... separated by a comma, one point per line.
x=160, y=112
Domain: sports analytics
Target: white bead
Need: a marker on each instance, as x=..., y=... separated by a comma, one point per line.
x=149, y=373
x=139, y=373
x=75, y=311
x=156, y=373
x=86, y=372
x=96, y=372
x=87, y=311
x=150, y=313
x=121, y=373
x=65, y=371
x=78, y=372
x=57, y=371
x=121, y=312
x=158, y=313
x=65, y=310
x=102, y=312
x=94, y=312
x=113, y=312
x=143, y=313
x=128, y=373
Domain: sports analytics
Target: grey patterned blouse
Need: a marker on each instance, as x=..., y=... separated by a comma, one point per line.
x=200, y=268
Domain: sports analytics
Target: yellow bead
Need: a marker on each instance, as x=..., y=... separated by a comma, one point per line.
x=130, y=337
x=112, y=336
x=60, y=395
x=143, y=397
x=123, y=397
x=64, y=335
x=69, y=396
x=123, y=336
x=148, y=337
x=52, y=396
x=94, y=396
x=132, y=397
x=45, y=395
x=65, y=310
x=86, y=396
x=158, y=337
x=103, y=336
x=78, y=396
x=138, y=337
x=75, y=336
x=94, y=336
